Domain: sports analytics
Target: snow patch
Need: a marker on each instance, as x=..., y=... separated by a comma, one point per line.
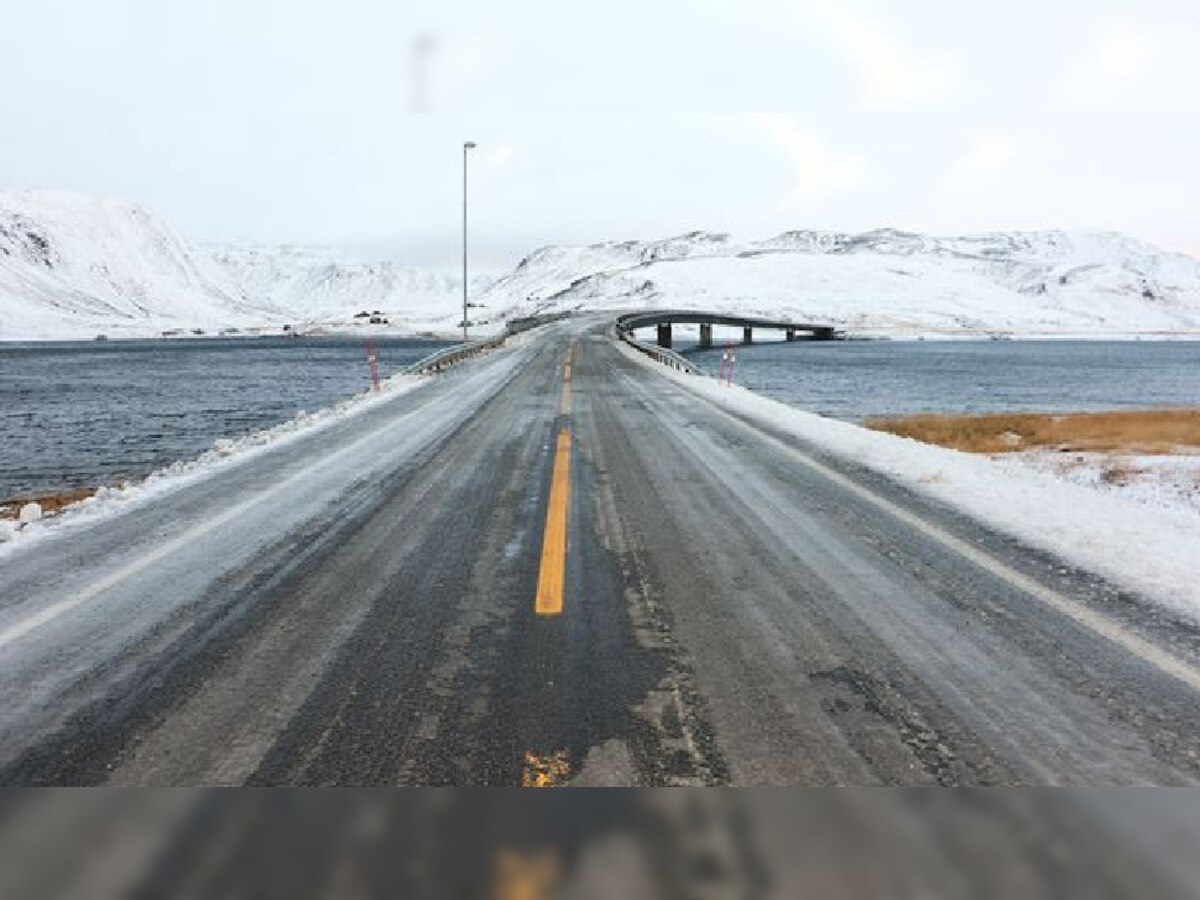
x=1167, y=481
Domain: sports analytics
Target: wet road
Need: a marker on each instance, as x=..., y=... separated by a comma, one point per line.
x=552, y=565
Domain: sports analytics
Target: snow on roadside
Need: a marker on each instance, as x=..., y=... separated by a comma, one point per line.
x=225, y=452
x=1150, y=550
x=1170, y=481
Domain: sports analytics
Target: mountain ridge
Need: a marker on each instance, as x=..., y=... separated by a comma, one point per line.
x=72, y=266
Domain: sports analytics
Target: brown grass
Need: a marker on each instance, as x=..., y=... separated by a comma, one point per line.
x=50, y=503
x=1142, y=431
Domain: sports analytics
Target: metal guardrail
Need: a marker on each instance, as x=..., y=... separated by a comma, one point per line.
x=657, y=353
x=443, y=359
x=516, y=326
x=450, y=356
x=652, y=317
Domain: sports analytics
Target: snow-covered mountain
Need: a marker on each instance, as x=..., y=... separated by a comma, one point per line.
x=75, y=266
x=322, y=284
x=885, y=281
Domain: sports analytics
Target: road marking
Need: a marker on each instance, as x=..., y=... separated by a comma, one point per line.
x=545, y=770
x=19, y=629
x=1167, y=663
x=526, y=875
x=552, y=575
x=564, y=401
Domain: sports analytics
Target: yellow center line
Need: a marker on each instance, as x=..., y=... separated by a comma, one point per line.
x=542, y=770
x=552, y=575
x=564, y=403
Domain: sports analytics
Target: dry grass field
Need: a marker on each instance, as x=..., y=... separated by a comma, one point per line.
x=50, y=503
x=1147, y=432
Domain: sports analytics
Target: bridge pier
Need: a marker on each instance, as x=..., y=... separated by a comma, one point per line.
x=747, y=335
x=705, y=335
x=664, y=335
x=791, y=334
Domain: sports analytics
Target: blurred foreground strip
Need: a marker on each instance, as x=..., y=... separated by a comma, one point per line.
x=668, y=843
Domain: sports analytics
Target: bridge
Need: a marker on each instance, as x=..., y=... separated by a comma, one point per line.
x=662, y=320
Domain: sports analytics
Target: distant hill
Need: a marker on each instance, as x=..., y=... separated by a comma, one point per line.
x=323, y=285
x=73, y=266
x=884, y=281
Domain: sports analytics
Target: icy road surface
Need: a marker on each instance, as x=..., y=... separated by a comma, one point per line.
x=553, y=565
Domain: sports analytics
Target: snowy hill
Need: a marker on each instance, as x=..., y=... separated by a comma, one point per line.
x=885, y=281
x=75, y=266
x=323, y=285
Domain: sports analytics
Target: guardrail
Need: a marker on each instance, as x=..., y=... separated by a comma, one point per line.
x=450, y=356
x=516, y=326
x=655, y=352
x=652, y=317
x=443, y=359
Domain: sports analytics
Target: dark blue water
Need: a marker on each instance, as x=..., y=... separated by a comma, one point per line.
x=95, y=413
x=851, y=380
x=87, y=414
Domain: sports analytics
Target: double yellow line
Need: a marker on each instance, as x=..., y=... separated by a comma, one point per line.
x=552, y=574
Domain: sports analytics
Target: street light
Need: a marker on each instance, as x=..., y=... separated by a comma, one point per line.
x=469, y=145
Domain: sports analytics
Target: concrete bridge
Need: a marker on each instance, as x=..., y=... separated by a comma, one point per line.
x=663, y=319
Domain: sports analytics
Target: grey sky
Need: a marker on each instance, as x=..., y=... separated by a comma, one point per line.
x=289, y=121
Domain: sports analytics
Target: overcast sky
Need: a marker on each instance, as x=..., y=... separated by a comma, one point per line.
x=293, y=121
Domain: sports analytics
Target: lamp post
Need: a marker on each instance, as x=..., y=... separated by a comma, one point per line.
x=469, y=145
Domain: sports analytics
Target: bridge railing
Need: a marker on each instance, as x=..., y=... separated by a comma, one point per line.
x=443, y=359
x=657, y=353
x=516, y=326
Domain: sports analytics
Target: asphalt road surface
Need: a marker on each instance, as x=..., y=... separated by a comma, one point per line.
x=551, y=565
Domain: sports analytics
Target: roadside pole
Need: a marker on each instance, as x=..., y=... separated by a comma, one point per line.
x=373, y=364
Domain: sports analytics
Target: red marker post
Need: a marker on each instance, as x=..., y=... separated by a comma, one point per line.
x=728, y=358
x=373, y=364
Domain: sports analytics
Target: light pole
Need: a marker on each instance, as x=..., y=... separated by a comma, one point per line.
x=469, y=145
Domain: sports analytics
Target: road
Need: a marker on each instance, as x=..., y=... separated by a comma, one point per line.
x=551, y=565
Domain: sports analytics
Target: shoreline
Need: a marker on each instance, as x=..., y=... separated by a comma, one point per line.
x=428, y=336
x=905, y=333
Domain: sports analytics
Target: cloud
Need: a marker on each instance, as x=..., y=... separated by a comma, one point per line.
x=989, y=153
x=894, y=77
x=1120, y=52
x=501, y=155
x=818, y=170
x=1110, y=69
